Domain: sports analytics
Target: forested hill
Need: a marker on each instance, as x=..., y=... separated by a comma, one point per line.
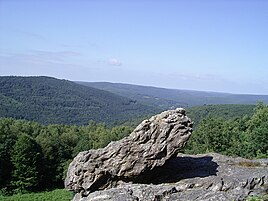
x=49, y=100
x=227, y=112
x=167, y=98
x=52, y=101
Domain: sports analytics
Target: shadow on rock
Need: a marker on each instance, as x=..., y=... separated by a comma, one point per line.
x=179, y=168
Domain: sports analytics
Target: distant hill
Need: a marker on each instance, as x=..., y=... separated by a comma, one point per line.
x=48, y=100
x=227, y=111
x=53, y=101
x=171, y=98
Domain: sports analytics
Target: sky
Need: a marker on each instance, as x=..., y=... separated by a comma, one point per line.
x=202, y=45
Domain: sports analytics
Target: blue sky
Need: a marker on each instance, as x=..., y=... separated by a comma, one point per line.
x=185, y=44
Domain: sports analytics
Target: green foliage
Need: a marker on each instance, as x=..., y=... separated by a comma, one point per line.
x=7, y=140
x=26, y=159
x=245, y=136
x=55, y=195
x=209, y=136
x=257, y=198
x=230, y=111
x=36, y=157
x=48, y=100
x=52, y=101
x=256, y=136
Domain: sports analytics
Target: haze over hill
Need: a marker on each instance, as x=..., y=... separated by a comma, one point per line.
x=171, y=98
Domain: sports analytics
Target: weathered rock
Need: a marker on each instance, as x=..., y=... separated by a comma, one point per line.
x=131, y=159
x=210, y=177
x=146, y=167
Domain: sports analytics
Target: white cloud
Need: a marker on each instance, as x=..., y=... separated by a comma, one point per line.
x=114, y=62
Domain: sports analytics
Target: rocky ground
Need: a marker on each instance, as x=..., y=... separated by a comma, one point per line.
x=195, y=177
x=146, y=166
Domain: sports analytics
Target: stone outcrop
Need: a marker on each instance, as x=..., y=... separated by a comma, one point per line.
x=133, y=158
x=203, y=177
x=146, y=166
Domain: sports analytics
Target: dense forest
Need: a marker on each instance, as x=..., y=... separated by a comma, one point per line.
x=227, y=111
x=49, y=100
x=245, y=136
x=35, y=157
x=52, y=101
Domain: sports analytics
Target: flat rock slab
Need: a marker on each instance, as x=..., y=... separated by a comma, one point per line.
x=133, y=158
x=195, y=177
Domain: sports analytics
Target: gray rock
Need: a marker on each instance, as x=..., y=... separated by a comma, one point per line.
x=146, y=166
x=209, y=177
x=131, y=159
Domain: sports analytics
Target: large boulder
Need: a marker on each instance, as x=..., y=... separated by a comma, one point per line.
x=203, y=177
x=133, y=158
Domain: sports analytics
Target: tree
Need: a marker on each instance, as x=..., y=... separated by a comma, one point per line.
x=245, y=137
x=49, y=140
x=7, y=141
x=119, y=132
x=256, y=135
x=208, y=137
x=26, y=159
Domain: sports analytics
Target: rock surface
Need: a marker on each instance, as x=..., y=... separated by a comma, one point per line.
x=146, y=166
x=131, y=159
x=210, y=177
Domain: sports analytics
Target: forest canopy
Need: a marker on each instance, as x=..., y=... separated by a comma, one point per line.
x=245, y=136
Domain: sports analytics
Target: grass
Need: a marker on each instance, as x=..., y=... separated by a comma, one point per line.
x=258, y=198
x=55, y=195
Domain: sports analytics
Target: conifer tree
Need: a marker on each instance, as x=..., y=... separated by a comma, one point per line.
x=26, y=159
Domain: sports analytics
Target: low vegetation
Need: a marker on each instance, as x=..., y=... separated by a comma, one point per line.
x=258, y=198
x=55, y=195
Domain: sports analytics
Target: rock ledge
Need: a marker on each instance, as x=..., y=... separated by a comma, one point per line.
x=131, y=159
x=203, y=177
